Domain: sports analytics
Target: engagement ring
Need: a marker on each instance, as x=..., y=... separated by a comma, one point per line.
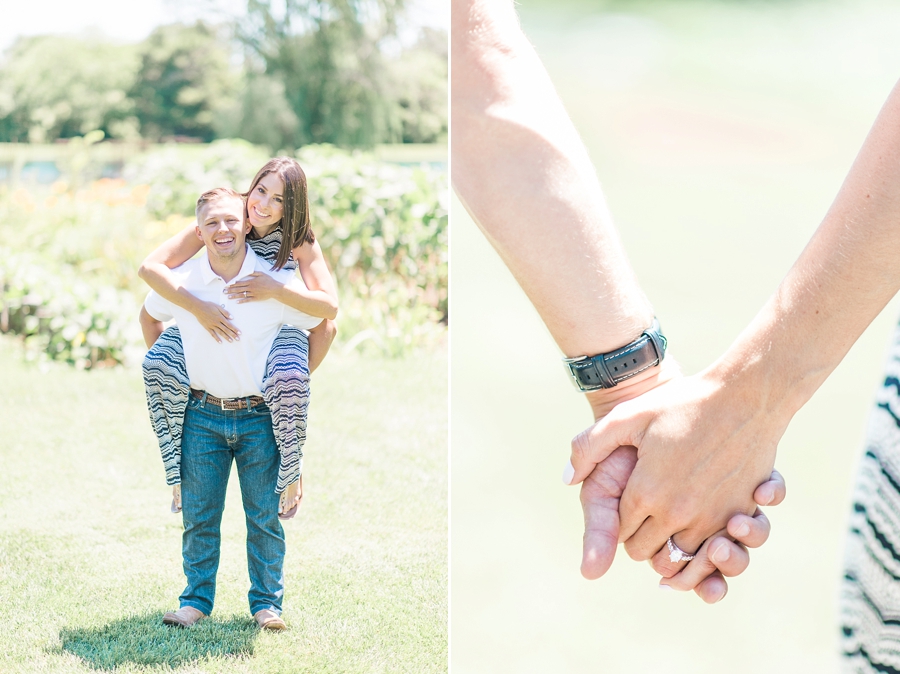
x=676, y=554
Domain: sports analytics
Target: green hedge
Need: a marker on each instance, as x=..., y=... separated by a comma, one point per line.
x=62, y=317
x=68, y=282
x=383, y=229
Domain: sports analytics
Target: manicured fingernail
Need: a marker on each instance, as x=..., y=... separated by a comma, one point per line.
x=721, y=554
x=742, y=530
x=664, y=587
x=568, y=472
x=769, y=498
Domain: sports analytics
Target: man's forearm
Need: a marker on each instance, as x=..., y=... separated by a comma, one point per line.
x=320, y=340
x=161, y=279
x=150, y=327
x=524, y=175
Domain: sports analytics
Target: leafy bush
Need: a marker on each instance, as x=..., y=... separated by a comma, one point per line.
x=75, y=321
x=383, y=229
x=177, y=175
x=68, y=281
x=68, y=262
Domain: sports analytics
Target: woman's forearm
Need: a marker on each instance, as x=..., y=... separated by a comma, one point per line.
x=524, y=175
x=313, y=269
x=844, y=277
x=313, y=302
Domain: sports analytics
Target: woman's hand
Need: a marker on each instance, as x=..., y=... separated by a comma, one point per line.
x=256, y=286
x=176, y=499
x=216, y=321
x=294, y=294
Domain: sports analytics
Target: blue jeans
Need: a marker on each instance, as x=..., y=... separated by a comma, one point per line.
x=285, y=388
x=212, y=438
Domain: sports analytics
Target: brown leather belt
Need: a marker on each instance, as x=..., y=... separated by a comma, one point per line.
x=229, y=403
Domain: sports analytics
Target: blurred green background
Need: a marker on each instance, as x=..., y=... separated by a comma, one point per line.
x=279, y=74
x=721, y=132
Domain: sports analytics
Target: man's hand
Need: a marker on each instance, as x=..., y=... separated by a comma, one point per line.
x=290, y=500
x=602, y=489
x=702, y=449
x=600, y=494
x=724, y=553
x=216, y=321
x=176, y=498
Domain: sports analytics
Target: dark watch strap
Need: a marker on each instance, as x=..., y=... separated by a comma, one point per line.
x=605, y=370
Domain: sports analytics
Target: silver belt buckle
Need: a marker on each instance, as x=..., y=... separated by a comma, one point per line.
x=222, y=404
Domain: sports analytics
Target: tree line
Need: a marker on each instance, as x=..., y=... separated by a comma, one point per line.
x=313, y=71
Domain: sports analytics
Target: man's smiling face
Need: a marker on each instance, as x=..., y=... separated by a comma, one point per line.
x=221, y=227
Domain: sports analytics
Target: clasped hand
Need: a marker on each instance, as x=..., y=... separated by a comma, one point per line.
x=691, y=459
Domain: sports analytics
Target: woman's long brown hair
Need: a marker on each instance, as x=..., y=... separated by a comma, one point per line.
x=295, y=226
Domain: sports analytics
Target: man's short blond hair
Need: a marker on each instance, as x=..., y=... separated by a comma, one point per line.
x=214, y=195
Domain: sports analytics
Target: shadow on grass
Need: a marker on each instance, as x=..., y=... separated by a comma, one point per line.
x=144, y=640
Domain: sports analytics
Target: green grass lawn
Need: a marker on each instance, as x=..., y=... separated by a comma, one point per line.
x=90, y=555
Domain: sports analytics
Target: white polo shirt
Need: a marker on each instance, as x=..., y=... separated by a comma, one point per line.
x=230, y=369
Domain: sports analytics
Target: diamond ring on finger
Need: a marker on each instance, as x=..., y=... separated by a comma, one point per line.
x=676, y=554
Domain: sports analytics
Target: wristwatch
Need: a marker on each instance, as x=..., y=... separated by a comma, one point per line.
x=605, y=370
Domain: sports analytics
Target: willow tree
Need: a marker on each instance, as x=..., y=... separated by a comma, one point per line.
x=184, y=82
x=329, y=56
